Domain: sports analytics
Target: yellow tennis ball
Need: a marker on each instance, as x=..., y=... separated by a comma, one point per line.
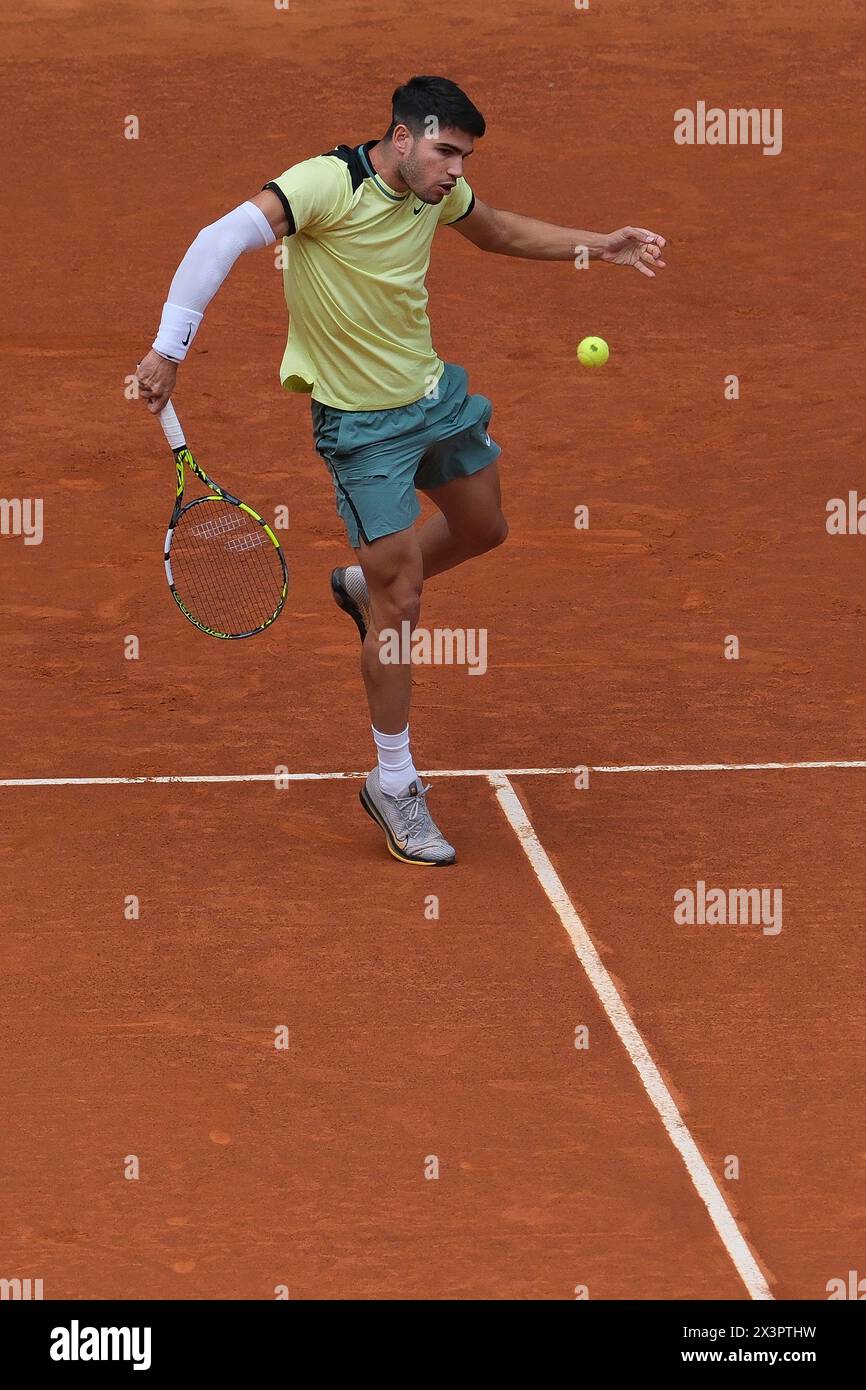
x=593, y=352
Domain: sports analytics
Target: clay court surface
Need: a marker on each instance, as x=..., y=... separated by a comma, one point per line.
x=263, y=906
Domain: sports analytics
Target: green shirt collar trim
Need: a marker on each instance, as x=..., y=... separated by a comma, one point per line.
x=383, y=187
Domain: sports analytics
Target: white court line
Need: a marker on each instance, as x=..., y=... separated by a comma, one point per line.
x=453, y=772
x=653, y=1083
x=725, y=767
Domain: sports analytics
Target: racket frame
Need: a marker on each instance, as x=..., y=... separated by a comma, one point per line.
x=184, y=459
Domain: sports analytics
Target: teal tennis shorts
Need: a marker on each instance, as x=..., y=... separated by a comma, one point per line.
x=377, y=458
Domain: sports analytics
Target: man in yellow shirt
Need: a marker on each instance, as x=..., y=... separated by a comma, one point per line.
x=389, y=417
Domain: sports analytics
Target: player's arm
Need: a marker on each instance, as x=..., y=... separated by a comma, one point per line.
x=511, y=234
x=258, y=222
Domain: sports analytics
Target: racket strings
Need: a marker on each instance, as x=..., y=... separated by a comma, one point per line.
x=226, y=569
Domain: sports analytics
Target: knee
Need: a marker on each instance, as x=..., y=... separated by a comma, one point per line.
x=489, y=536
x=396, y=604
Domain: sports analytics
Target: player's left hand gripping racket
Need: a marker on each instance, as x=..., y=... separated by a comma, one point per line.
x=224, y=565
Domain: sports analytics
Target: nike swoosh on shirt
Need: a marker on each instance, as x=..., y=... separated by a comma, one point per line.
x=421, y=209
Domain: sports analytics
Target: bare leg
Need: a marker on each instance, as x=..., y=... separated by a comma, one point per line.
x=394, y=573
x=470, y=521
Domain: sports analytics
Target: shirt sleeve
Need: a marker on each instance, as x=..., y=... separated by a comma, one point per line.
x=458, y=203
x=313, y=193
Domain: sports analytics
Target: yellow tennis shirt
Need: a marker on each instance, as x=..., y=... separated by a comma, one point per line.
x=354, y=266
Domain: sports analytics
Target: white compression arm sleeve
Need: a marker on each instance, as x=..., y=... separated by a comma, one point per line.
x=202, y=271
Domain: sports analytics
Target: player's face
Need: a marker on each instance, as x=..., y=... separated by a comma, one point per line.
x=431, y=167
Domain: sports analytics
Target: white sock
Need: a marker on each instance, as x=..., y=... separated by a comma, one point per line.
x=396, y=768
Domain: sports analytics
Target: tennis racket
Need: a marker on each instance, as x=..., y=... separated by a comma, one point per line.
x=224, y=565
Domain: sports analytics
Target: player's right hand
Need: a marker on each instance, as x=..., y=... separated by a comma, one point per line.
x=156, y=378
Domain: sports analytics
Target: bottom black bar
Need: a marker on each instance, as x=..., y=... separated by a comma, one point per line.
x=69, y=1338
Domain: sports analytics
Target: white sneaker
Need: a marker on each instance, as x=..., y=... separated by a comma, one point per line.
x=411, y=833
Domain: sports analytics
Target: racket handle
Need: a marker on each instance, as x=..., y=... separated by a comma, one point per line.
x=170, y=423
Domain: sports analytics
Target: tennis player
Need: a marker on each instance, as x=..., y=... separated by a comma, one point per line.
x=390, y=418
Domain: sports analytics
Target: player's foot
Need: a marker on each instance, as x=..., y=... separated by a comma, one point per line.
x=349, y=588
x=409, y=828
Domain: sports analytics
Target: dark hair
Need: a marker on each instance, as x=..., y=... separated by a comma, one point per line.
x=422, y=97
